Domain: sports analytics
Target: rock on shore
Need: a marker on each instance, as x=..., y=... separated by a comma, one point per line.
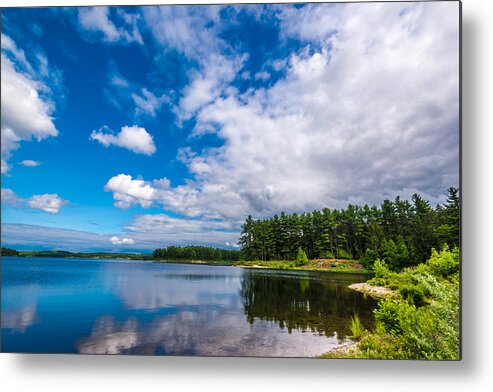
x=377, y=292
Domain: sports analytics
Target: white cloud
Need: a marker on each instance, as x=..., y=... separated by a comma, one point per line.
x=49, y=202
x=147, y=103
x=9, y=198
x=160, y=230
x=368, y=110
x=165, y=224
x=9, y=46
x=263, y=75
x=132, y=138
x=191, y=30
x=26, y=110
x=5, y=167
x=141, y=231
x=121, y=241
x=127, y=191
x=208, y=84
x=194, y=31
x=29, y=163
x=123, y=93
x=97, y=20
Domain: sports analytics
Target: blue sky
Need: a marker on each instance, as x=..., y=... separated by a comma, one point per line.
x=127, y=128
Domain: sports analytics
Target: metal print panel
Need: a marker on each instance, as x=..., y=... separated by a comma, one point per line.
x=268, y=180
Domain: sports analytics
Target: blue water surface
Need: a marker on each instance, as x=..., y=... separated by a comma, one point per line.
x=90, y=306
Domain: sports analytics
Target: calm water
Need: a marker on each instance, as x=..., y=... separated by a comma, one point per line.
x=127, y=307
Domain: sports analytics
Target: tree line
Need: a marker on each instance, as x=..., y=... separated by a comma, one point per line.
x=401, y=232
x=193, y=252
x=9, y=252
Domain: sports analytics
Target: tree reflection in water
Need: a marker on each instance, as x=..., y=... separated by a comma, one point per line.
x=318, y=301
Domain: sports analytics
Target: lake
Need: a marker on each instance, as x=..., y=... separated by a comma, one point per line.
x=137, y=307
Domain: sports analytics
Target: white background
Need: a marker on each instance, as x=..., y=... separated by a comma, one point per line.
x=473, y=373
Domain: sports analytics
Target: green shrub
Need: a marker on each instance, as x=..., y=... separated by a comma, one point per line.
x=342, y=254
x=387, y=316
x=444, y=263
x=301, y=258
x=327, y=255
x=395, y=254
x=406, y=331
x=414, y=294
x=382, y=273
x=368, y=258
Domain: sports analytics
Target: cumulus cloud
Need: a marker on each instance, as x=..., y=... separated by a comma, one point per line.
x=100, y=21
x=30, y=163
x=127, y=191
x=9, y=198
x=367, y=110
x=191, y=30
x=208, y=84
x=132, y=138
x=49, y=202
x=195, y=33
x=26, y=107
x=121, y=241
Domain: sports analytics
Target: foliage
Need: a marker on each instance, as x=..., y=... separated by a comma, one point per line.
x=424, y=323
x=301, y=258
x=369, y=257
x=9, y=252
x=412, y=293
x=400, y=232
x=357, y=328
x=347, y=267
x=444, y=263
x=342, y=254
x=381, y=272
x=191, y=252
x=395, y=253
x=388, y=315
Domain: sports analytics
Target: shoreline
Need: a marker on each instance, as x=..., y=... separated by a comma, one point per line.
x=274, y=265
x=346, y=266
x=340, y=352
x=376, y=292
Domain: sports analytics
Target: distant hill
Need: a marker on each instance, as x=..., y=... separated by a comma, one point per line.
x=46, y=253
x=64, y=254
x=9, y=252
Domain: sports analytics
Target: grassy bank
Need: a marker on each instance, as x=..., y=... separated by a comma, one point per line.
x=202, y=262
x=422, y=322
x=333, y=265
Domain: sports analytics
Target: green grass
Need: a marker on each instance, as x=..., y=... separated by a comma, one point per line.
x=200, y=262
x=424, y=324
x=311, y=265
x=357, y=328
